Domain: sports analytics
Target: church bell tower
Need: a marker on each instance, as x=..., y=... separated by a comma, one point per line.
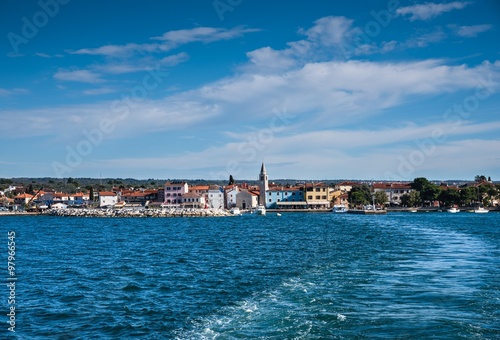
x=263, y=185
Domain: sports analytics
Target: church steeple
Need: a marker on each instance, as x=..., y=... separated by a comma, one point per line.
x=263, y=184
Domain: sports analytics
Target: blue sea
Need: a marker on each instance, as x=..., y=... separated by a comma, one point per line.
x=295, y=276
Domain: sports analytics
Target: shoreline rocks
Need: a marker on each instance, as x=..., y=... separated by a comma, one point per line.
x=139, y=212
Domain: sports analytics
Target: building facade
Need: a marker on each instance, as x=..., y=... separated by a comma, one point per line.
x=173, y=193
x=215, y=197
x=285, y=198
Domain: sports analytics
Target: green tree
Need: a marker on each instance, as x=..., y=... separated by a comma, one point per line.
x=360, y=194
x=381, y=197
x=231, y=180
x=428, y=191
x=411, y=199
x=467, y=195
x=449, y=197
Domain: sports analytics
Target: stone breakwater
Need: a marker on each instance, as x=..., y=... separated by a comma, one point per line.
x=173, y=212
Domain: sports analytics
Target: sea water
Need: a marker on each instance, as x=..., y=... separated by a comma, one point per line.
x=299, y=275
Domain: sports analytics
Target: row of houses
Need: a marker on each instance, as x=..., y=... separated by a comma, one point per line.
x=181, y=194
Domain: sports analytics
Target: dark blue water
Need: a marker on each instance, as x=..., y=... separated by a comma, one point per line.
x=303, y=276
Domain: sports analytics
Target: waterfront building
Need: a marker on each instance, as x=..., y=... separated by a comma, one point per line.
x=107, y=198
x=246, y=199
x=317, y=195
x=200, y=190
x=394, y=191
x=285, y=198
x=231, y=191
x=174, y=191
x=215, y=197
x=193, y=200
x=22, y=199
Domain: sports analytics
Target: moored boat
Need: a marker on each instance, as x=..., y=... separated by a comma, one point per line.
x=261, y=210
x=481, y=210
x=339, y=208
x=235, y=211
x=453, y=210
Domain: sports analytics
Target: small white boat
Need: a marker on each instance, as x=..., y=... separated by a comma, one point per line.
x=413, y=210
x=453, y=210
x=278, y=214
x=481, y=210
x=261, y=210
x=235, y=211
x=339, y=208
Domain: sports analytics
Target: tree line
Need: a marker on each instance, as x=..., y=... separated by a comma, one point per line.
x=424, y=193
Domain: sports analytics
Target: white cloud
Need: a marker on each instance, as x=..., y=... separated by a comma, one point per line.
x=425, y=39
x=326, y=94
x=12, y=92
x=45, y=55
x=430, y=10
x=83, y=76
x=472, y=31
x=202, y=34
x=99, y=91
x=334, y=153
x=168, y=41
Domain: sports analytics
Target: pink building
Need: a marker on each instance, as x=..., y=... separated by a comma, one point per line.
x=174, y=192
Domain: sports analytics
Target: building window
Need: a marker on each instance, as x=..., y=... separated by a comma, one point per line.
x=270, y=200
x=318, y=197
x=317, y=189
x=168, y=188
x=309, y=197
x=323, y=197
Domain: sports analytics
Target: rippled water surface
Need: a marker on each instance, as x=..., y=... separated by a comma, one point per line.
x=304, y=276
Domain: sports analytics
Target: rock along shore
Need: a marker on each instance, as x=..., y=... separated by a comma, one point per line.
x=172, y=212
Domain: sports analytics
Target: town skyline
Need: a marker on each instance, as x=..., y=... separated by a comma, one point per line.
x=385, y=90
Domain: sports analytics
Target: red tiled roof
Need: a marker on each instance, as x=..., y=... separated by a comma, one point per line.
x=191, y=195
x=21, y=196
x=107, y=193
x=199, y=187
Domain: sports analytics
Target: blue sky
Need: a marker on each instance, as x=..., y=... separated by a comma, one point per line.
x=204, y=89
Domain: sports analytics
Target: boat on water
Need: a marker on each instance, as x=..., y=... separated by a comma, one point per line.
x=453, y=210
x=261, y=210
x=235, y=211
x=413, y=210
x=481, y=210
x=339, y=208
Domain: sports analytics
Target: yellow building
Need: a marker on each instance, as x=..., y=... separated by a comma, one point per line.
x=317, y=195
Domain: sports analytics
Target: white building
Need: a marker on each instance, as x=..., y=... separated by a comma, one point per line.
x=215, y=197
x=193, y=200
x=231, y=192
x=107, y=198
x=394, y=191
x=247, y=200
